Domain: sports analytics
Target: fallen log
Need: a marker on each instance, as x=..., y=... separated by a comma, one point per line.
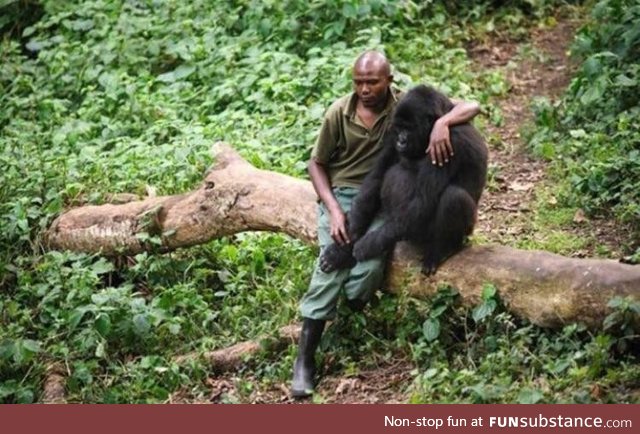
x=54, y=385
x=550, y=290
x=227, y=359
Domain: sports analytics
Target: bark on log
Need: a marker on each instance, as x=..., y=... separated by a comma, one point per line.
x=548, y=289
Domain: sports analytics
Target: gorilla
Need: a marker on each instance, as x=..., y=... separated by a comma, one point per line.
x=435, y=208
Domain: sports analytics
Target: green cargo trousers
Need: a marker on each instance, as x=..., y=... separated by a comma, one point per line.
x=359, y=282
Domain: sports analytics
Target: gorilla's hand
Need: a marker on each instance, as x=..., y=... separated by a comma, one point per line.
x=336, y=257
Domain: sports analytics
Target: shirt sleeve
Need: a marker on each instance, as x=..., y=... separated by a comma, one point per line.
x=328, y=138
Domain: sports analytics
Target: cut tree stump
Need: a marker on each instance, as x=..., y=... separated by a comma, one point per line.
x=550, y=290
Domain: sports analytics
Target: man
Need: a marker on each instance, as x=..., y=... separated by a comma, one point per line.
x=345, y=151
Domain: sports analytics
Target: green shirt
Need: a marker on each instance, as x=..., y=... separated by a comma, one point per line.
x=345, y=146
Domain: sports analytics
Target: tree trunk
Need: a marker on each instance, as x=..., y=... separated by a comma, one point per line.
x=548, y=289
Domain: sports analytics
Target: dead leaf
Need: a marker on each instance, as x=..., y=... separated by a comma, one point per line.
x=553, y=200
x=284, y=389
x=346, y=385
x=151, y=191
x=520, y=186
x=579, y=217
x=218, y=387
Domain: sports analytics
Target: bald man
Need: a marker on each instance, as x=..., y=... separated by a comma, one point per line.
x=345, y=151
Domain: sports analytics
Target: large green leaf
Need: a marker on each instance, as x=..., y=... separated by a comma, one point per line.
x=431, y=329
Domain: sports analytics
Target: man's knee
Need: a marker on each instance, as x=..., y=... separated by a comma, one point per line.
x=369, y=272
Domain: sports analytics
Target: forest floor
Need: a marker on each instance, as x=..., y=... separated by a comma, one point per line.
x=535, y=67
x=539, y=67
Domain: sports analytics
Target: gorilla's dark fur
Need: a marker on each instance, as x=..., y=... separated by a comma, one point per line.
x=433, y=207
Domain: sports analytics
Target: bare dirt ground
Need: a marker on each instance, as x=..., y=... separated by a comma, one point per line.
x=505, y=211
x=386, y=383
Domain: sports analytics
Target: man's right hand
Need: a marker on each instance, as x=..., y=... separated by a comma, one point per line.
x=338, y=220
x=339, y=231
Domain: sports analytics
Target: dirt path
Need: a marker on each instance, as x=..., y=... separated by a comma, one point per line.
x=505, y=208
x=385, y=383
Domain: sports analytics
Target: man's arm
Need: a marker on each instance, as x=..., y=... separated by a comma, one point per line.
x=440, y=149
x=322, y=185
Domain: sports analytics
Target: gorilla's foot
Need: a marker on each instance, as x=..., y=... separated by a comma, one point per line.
x=431, y=262
x=336, y=257
x=429, y=268
x=356, y=305
x=367, y=247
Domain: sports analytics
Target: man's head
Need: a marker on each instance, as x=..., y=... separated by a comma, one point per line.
x=371, y=79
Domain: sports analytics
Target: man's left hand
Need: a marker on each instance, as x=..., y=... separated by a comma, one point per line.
x=440, y=149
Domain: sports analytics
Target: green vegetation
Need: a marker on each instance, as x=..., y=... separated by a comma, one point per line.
x=592, y=134
x=102, y=97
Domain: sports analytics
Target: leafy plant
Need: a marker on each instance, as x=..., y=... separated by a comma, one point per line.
x=488, y=304
x=440, y=304
x=623, y=321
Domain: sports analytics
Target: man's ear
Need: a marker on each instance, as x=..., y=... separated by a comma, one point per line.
x=390, y=78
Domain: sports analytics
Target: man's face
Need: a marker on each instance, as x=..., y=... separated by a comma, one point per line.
x=371, y=84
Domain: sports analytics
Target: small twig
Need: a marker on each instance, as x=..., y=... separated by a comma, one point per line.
x=509, y=209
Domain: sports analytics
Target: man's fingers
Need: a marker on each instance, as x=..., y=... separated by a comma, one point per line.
x=449, y=147
x=432, y=154
x=344, y=234
x=335, y=234
x=439, y=155
x=339, y=235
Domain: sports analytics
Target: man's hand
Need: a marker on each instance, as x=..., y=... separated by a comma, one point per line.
x=339, y=231
x=440, y=149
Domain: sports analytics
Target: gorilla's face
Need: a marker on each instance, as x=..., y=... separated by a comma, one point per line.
x=402, y=141
x=413, y=121
x=408, y=136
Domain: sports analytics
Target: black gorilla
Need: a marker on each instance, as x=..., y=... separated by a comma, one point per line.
x=433, y=207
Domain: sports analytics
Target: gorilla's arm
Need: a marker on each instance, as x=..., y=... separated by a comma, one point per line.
x=396, y=227
x=363, y=211
x=367, y=203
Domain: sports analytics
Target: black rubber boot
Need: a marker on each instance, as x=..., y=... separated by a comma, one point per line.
x=356, y=305
x=304, y=368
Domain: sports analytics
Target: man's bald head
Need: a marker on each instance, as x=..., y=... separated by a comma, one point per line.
x=371, y=80
x=373, y=61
